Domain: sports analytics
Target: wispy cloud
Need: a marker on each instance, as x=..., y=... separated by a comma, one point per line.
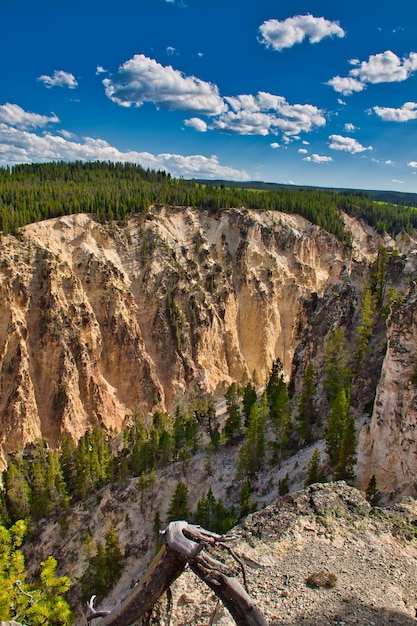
x=14, y=115
x=285, y=34
x=59, y=79
x=385, y=67
x=142, y=79
x=350, y=128
x=346, y=144
x=407, y=112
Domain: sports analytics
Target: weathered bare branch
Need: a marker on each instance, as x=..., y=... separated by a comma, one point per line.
x=183, y=543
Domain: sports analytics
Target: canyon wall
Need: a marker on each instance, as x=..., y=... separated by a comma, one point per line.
x=99, y=322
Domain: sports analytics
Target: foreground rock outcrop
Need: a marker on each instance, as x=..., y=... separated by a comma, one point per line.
x=362, y=559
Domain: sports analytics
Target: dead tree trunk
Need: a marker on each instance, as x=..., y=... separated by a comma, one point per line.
x=184, y=544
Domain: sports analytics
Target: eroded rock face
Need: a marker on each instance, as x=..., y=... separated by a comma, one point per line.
x=98, y=322
x=387, y=446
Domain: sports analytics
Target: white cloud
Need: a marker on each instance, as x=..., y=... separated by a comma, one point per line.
x=285, y=34
x=22, y=146
x=302, y=151
x=385, y=67
x=100, y=70
x=266, y=114
x=141, y=79
x=170, y=50
x=316, y=158
x=412, y=164
x=59, y=79
x=274, y=145
x=345, y=85
x=405, y=113
x=400, y=182
x=14, y=115
x=339, y=100
x=346, y=144
x=350, y=128
x=389, y=162
x=197, y=124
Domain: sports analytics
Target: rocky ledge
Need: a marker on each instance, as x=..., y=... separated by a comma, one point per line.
x=322, y=556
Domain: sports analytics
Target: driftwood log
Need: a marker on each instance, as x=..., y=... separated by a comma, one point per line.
x=183, y=544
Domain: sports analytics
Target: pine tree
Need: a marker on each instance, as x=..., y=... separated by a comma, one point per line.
x=157, y=527
x=114, y=555
x=335, y=427
x=232, y=424
x=280, y=413
x=372, y=491
x=17, y=493
x=247, y=504
x=307, y=412
x=249, y=397
x=37, y=602
x=252, y=452
x=347, y=455
x=365, y=328
x=337, y=373
x=206, y=510
x=314, y=472
x=178, y=507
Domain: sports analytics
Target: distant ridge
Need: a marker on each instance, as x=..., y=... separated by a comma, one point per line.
x=393, y=197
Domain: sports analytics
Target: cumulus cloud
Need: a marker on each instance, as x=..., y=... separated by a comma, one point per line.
x=22, y=146
x=302, y=151
x=412, y=164
x=385, y=67
x=345, y=85
x=197, y=124
x=59, y=79
x=285, y=34
x=266, y=114
x=100, y=70
x=407, y=112
x=316, y=158
x=14, y=115
x=346, y=144
x=274, y=145
x=141, y=79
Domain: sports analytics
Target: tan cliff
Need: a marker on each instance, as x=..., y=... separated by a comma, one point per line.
x=98, y=322
x=101, y=321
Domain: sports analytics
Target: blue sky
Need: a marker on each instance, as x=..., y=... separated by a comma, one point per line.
x=309, y=92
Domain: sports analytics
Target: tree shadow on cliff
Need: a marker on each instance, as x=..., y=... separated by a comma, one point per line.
x=350, y=612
